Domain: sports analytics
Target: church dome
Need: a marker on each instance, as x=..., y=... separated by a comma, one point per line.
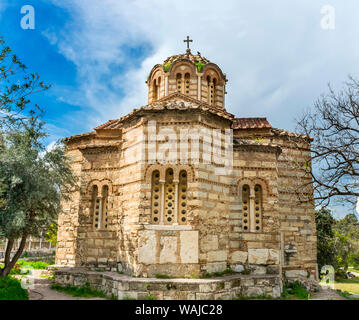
x=188, y=74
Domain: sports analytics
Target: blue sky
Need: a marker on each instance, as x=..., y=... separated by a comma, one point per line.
x=97, y=54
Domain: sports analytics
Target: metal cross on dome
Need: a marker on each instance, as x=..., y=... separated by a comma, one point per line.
x=188, y=41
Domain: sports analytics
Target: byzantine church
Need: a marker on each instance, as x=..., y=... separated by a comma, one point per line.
x=136, y=213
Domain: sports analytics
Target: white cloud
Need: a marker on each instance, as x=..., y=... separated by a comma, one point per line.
x=275, y=54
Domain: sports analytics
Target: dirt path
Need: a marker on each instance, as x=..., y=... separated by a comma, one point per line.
x=41, y=290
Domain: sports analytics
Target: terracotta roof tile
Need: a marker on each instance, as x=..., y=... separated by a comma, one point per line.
x=251, y=123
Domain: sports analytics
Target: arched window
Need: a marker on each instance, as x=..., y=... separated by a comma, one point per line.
x=182, y=198
x=95, y=207
x=170, y=203
x=179, y=82
x=100, y=207
x=258, y=202
x=252, y=204
x=156, y=197
x=245, y=207
x=187, y=82
x=169, y=198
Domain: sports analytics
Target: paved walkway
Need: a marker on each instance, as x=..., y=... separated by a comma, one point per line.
x=42, y=290
x=326, y=294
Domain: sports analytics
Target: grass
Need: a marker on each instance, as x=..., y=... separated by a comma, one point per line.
x=347, y=285
x=162, y=276
x=291, y=291
x=10, y=289
x=260, y=297
x=353, y=269
x=217, y=274
x=295, y=290
x=346, y=295
x=85, y=291
x=37, y=265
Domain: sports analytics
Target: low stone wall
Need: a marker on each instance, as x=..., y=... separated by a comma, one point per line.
x=125, y=287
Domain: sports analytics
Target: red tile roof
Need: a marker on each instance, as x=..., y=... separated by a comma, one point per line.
x=251, y=123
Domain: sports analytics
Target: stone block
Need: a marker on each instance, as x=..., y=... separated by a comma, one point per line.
x=168, y=249
x=189, y=246
x=219, y=255
x=147, y=247
x=239, y=256
x=258, y=256
x=237, y=267
x=296, y=273
x=209, y=242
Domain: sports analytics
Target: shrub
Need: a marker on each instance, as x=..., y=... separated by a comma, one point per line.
x=199, y=66
x=10, y=289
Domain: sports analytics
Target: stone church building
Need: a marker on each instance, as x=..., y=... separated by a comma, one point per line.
x=181, y=187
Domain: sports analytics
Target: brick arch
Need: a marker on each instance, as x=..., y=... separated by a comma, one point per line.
x=264, y=184
x=162, y=169
x=175, y=68
x=165, y=167
x=244, y=181
x=218, y=73
x=252, y=182
x=100, y=184
x=158, y=72
x=149, y=170
x=154, y=69
x=189, y=170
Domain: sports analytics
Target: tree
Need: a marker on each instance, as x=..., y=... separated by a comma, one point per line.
x=334, y=126
x=325, y=238
x=34, y=181
x=346, y=239
x=51, y=233
x=17, y=85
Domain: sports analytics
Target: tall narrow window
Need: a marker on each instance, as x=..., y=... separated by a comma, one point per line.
x=95, y=207
x=104, y=213
x=154, y=90
x=156, y=197
x=182, y=198
x=187, y=82
x=158, y=88
x=245, y=207
x=169, y=205
x=179, y=82
x=258, y=207
x=209, y=90
x=213, y=91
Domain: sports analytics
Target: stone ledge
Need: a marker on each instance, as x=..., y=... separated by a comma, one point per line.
x=123, y=286
x=167, y=227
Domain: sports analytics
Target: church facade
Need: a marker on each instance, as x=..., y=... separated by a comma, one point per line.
x=181, y=187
